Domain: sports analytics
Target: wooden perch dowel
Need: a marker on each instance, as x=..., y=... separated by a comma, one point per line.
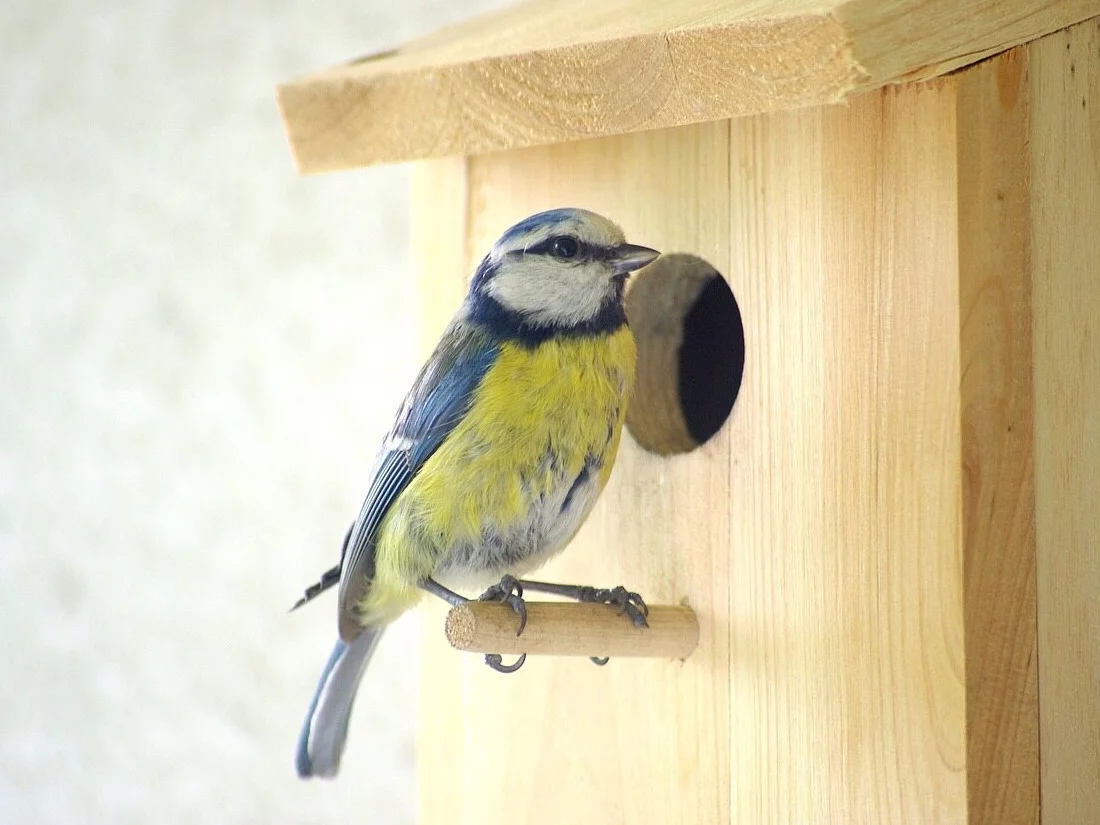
x=571, y=629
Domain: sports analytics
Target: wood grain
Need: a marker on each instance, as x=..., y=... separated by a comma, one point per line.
x=998, y=495
x=572, y=629
x=848, y=584
x=438, y=242
x=556, y=70
x=1065, y=227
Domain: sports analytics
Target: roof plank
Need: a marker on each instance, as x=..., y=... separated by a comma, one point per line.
x=548, y=71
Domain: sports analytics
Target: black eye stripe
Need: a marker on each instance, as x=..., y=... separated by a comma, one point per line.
x=586, y=252
x=547, y=247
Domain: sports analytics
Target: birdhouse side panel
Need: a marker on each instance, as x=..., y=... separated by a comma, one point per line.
x=1065, y=168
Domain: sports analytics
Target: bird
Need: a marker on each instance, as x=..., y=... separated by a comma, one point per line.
x=497, y=454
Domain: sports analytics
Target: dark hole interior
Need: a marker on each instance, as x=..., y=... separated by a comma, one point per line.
x=711, y=359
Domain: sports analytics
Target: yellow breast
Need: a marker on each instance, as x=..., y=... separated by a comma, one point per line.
x=539, y=416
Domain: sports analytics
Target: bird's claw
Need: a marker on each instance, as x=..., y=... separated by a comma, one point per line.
x=629, y=603
x=510, y=592
x=495, y=661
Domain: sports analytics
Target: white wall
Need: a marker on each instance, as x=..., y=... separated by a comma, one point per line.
x=199, y=352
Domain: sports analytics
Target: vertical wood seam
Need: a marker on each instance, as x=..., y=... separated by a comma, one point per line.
x=997, y=448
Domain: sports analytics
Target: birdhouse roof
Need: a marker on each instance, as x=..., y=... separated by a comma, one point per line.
x=548, y=71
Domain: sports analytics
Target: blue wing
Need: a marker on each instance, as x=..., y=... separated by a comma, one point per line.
x=439, y=399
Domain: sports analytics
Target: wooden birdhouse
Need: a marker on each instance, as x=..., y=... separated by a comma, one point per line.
x=885, y=224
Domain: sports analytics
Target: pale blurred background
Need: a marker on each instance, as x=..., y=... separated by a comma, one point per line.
x=199, y=352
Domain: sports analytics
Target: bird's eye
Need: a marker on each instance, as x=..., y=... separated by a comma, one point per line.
x=565, y=247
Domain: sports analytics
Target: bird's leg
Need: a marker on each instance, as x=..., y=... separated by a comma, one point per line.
x=628, y=602
x=501, y=592
x=430, y=585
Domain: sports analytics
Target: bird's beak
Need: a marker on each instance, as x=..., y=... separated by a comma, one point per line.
x=627, y=257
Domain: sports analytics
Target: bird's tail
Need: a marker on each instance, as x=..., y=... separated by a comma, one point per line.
x=321, y=742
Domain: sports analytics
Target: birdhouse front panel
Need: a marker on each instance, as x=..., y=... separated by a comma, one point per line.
x=817, y=535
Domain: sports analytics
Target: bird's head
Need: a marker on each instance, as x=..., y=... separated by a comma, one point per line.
x=559, y=270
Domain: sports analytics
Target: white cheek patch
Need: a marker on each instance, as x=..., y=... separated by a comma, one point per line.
x=550, y=292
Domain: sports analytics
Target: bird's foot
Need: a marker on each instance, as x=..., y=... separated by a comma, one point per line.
x=629, y=603
x=508, y=591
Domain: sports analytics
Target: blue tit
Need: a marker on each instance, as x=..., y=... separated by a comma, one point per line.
x=497, y=454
